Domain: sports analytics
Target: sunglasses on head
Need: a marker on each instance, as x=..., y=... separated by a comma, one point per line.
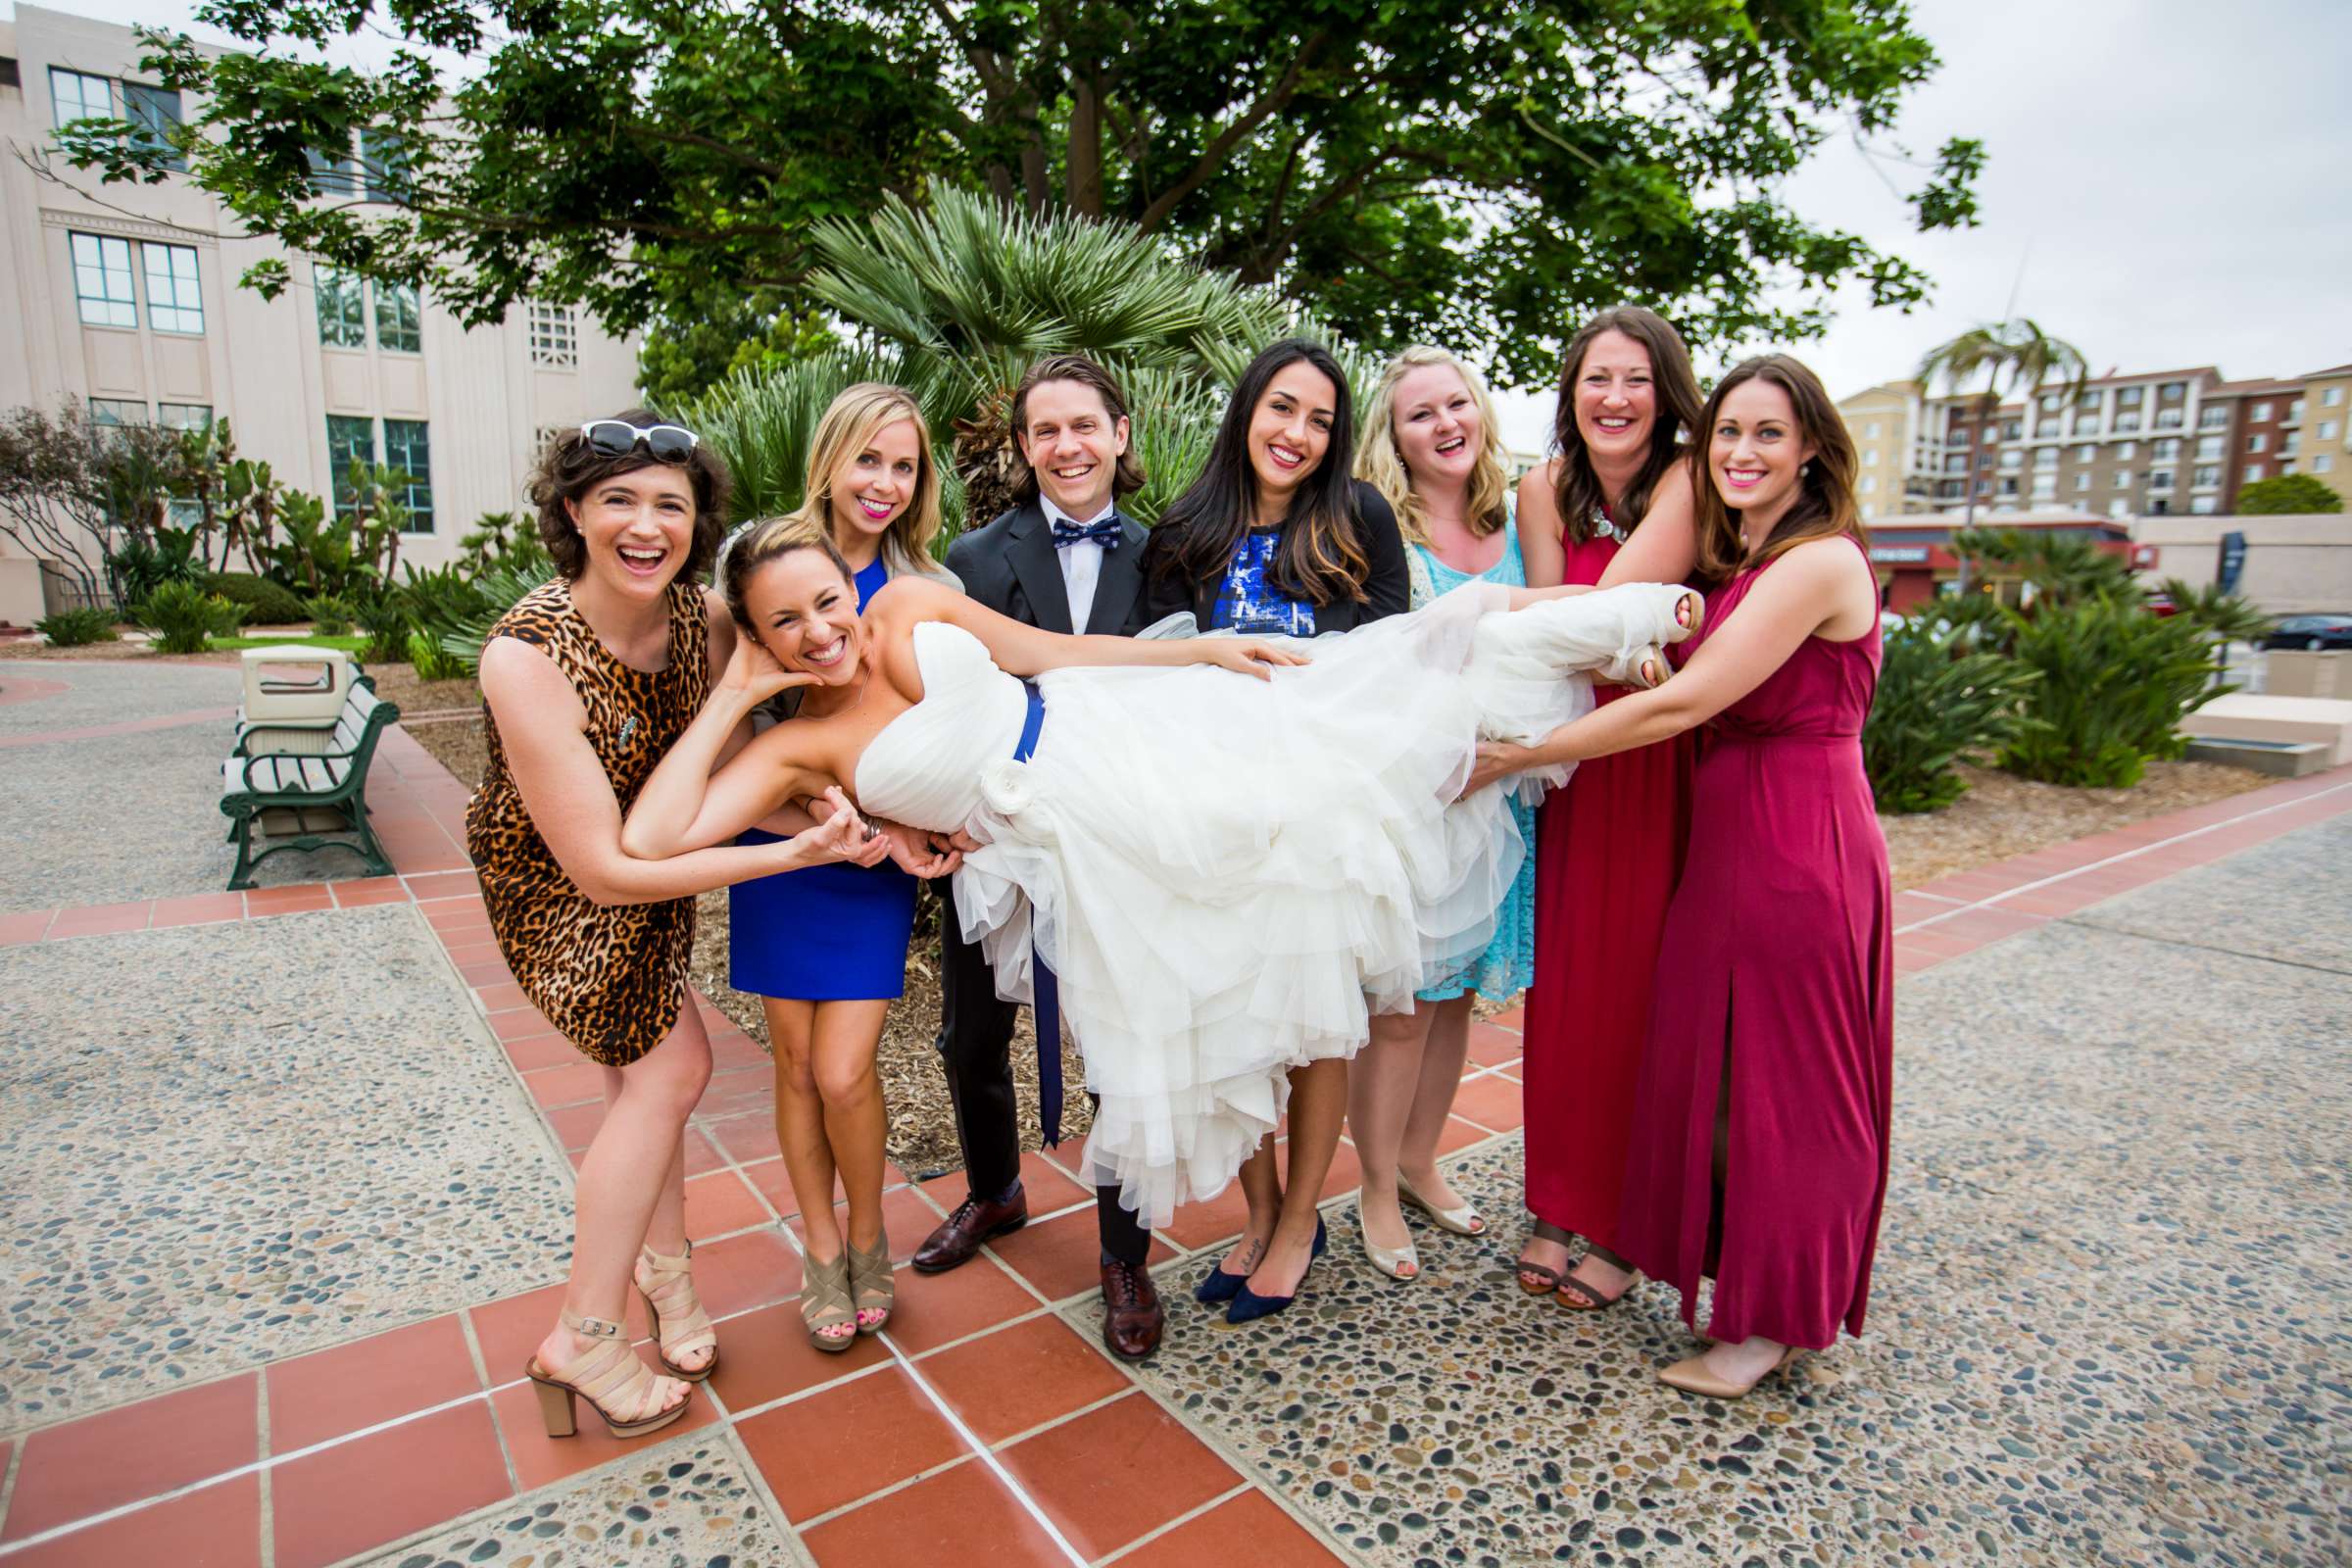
x=618, y=438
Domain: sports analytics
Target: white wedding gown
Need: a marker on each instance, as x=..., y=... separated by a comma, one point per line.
x=1224, y=874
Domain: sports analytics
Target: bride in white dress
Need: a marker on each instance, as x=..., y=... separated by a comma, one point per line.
x=1223, y=873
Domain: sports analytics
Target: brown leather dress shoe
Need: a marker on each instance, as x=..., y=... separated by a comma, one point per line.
x=1131, y=1314
x=960, y=1234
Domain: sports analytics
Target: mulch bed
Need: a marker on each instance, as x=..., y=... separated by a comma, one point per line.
x=1998, y=817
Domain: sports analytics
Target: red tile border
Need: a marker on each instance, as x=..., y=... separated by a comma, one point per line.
x=848, y=1441
x=1008, y=1381
x=16, y=929
x=218, y=1526
x=328, y=1394
x=117, y=1456
x=1118, y=1473
x=939, y=1519
x=1251, y=1528
x=328, y=1506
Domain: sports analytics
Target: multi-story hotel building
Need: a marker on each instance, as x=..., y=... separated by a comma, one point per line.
x=127, y=297
x=2157, y=444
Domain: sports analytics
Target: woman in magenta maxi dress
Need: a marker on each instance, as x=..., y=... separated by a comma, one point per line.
x=1759, y=1148
x=1609, y=842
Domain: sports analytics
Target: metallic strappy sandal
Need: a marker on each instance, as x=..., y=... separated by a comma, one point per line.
x=680, y=1325
x=608, y=1375
x=872, y=1286
x=825, y=1304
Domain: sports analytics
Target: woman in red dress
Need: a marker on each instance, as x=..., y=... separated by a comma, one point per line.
x=1759, y=1150
x=1609, y=845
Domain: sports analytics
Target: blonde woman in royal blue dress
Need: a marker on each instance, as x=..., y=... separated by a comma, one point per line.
x=1432, y=447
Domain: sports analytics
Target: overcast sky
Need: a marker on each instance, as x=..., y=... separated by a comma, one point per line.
x=2163, y=186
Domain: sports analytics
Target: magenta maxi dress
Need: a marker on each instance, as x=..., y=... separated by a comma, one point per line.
x=1777, y=958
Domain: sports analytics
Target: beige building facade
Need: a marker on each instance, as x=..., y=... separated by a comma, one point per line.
x=127, y=297
x=2294, y=565
x=1893, y=461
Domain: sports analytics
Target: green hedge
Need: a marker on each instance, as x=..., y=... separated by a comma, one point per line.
x=265, y=603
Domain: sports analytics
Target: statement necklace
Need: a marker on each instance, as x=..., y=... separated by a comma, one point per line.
x=1605, y=527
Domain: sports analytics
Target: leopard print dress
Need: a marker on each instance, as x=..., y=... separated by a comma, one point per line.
x=610, y=977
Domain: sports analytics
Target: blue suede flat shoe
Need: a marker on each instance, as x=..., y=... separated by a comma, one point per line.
x=1247, y=1306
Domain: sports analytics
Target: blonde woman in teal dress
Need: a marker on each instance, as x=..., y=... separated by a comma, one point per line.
x=1431, y=447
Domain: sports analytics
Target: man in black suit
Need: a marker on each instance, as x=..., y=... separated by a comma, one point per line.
x=1064, y=561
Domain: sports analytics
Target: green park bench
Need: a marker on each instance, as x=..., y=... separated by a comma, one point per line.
x=280, y=781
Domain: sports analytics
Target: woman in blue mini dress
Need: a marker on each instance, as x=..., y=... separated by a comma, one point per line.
x=825, y=949
x=1433, y=450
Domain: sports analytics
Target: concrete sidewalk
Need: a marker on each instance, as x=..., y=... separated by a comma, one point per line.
x=283, y=1178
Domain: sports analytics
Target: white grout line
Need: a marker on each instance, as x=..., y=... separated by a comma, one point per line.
x=1179, y=1522
x=1991, y=901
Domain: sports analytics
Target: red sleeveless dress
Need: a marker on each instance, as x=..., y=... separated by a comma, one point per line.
x=1778, y=960
x=1608, y=853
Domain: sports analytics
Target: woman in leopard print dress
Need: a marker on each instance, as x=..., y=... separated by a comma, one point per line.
x=586, y=683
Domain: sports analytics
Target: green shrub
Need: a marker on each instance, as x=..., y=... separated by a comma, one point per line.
x=185, y=615
x=1938, y=702
x=267, y=603
x=431, y=660
x=330, y=615
x=385, y=619
x=77, y=629
x=144, y=564
x=501, y=587
x=2115, y=683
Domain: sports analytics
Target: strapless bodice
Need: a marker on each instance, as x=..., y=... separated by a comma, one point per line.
x=925, y=768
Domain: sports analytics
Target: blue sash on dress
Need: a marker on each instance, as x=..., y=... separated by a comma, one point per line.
x=1046, y=994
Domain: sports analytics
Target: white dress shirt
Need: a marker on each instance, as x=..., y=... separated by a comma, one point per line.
x=1081, y=562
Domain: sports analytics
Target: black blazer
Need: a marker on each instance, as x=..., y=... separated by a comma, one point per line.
x=1010, y=566
x=1388, y=587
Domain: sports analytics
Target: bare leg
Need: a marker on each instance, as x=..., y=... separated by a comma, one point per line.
x=801, y=1131
x=666, y=1234
x=1380, y=1082
x=846, y=1036
x=1441, y=1058
x=1318, y=1104
x=1262, y=1190
x=617, y=1196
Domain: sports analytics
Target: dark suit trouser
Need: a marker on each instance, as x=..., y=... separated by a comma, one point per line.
x=975, y=1044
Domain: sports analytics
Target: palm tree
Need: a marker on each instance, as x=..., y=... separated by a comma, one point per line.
x=2014, y=357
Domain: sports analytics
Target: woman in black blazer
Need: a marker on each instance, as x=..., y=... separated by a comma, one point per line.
x=1275, y=537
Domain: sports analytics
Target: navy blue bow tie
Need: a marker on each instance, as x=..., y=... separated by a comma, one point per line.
x=1106, y=531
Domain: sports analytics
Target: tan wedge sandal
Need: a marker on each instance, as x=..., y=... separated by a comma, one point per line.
x=825, y=1304
x=872, y=1286
x=608, y=1375
x=680, y=1325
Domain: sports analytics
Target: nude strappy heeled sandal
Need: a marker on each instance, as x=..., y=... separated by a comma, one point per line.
x=680, y=1324
x=825, y=1304
x=608, y=1375
x=872, y=1286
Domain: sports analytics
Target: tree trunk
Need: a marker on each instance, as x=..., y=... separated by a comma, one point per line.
x=1084, y=187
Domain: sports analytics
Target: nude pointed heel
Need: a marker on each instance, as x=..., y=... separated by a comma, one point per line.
x=1693, y=1377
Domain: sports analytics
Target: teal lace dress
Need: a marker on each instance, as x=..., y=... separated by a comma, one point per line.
x=1509, y=964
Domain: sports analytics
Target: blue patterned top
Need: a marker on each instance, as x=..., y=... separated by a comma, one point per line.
x=1244, y=602
x=1509, y=965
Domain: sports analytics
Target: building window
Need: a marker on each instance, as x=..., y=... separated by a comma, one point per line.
x=342, y=308
x=2166, y=451
x=2258, y=442
x=114, y=412
x=2052, y=402
x=1869, y=484
x=2046, y=458
x=2123, y=478
x=2252, y=472
x=333, y=172
x=2045, y=486
x=2213, y=416
x=2125, y=423
x=2169, y=419
x=2129, y=397
x=2160, y=478
x=397, y=327
x=2323, y=464
x=407, y=448
x=2209, y=448
x=2171, y=391
x=2081, y=482
x=2259, y=413
x=2332, y=397
x=2327, y=430
x=2291, y=445
x=555, y=338
x=2128, y=451
x=2204, y=506
x=2294, y=410
x=1956, y=463
x=2088, y=400
x=75, y=96
x=2287, y=470
x=384, y=165
x=2010, y=430
x=155, y=111
x=2085, y=452
x=2012, y=460
x=1870, y=431
x=1870, y=458
x=102, y=282
x=349, y=439
x=183, y=415
x=174, y=297
x=2208, y=475
x=2008, y=487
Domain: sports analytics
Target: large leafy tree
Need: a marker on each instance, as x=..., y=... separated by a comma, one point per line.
x=1477, y=172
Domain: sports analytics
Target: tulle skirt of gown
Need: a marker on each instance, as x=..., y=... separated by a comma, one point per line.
x=1226, y=874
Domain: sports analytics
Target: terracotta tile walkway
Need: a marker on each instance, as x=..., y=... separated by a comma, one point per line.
x=980, y=1423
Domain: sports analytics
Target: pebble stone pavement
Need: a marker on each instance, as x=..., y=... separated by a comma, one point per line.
x=2109, y=1324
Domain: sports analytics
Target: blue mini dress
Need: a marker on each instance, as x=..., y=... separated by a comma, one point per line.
x=824, y=932
x=1509, y=965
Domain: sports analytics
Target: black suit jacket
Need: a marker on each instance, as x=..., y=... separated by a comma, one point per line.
x=1388, y=589
x=1011, y=567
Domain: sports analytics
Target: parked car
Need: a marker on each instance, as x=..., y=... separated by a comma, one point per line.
x=2313, y=632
